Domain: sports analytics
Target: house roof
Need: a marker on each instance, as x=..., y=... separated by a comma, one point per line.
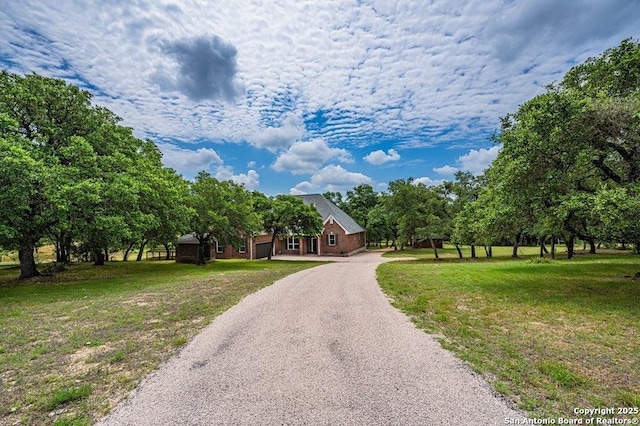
x=189, y=238
x=329, y=210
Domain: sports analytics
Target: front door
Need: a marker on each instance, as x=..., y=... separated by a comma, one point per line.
x=312, y=245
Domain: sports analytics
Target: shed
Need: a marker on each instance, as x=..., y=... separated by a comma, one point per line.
x=187, y=249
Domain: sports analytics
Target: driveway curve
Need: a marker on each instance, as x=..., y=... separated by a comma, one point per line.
x=320, y=347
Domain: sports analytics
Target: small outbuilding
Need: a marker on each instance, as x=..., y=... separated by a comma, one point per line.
x=187, y=249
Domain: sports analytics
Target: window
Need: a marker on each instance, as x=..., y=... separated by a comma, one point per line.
x=242, y=247
x=293, y=243
x=219, y=248
x=332, y=239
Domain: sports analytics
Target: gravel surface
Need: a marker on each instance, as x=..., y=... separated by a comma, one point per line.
x=320, y=347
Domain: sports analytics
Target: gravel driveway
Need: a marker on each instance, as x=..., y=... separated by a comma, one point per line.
x=320, y=347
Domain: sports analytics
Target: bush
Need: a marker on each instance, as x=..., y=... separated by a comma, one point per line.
x=538, y=260
x=52, y=268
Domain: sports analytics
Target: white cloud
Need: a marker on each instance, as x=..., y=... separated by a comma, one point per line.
x=188, y=162
x=476, y=161
x=307, y=157
x=445, y=170
x=354, y=74
x=272, y=138
x=428, y=181
x=379, y=157
x=331, y=178
x=250, y=180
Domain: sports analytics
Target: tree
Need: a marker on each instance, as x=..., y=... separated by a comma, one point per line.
x=288, y=215
x=87, y=172
x=23, y=201
x=222, y=210
x=419, y=210
x=360, y=201
x=562, y=150
x=463, y=192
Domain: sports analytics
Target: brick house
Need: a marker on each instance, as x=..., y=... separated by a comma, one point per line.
x=341, y=236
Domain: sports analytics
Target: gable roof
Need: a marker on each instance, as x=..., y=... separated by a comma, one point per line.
x=329, y=210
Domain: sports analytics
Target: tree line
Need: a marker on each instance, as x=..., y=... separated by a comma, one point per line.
x=72, y=175
x=569, y=168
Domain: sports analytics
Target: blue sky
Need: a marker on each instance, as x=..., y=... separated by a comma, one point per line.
x=308, y=96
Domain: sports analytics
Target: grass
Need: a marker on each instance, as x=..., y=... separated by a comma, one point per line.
x=73, y=345
x=552, y=336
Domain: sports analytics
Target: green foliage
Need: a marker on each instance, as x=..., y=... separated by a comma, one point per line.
x=222, y=210
x=420, y=211
x=570, y=159
x=285, y=215
x=74, y=175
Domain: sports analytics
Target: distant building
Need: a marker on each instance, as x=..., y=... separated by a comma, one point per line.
x=340, y=236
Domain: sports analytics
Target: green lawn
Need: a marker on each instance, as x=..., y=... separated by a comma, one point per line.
x=73, y=345
x=552, y=336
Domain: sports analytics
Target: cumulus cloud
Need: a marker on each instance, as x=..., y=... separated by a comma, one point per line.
x=188, y=162
x=250, y=180
x=206, y=68
x=331, y=178
x=476, y=161
x=273, y=138
x=306, y=157
x=379, y=157
x=428, y=181
x=445, y=170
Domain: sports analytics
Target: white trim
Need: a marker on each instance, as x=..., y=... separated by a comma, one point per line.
x=291, y=246
x=331, y=220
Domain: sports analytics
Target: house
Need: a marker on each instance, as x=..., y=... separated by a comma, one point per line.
x=341, y=236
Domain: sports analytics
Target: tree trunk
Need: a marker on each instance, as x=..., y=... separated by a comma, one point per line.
x=592, y=247
x=435, y=249
x=490, y=251
x=167, y=251
x=473, y=251
x=273, y=240
x=516, y=244
x=542, y=247
x=106, y=254
x=27, y=263
x=98, y=257
x=142, y=245
x=201, y=260
x=553, y=247
x=459, y=251
x=570, y=246
x=125, y=256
